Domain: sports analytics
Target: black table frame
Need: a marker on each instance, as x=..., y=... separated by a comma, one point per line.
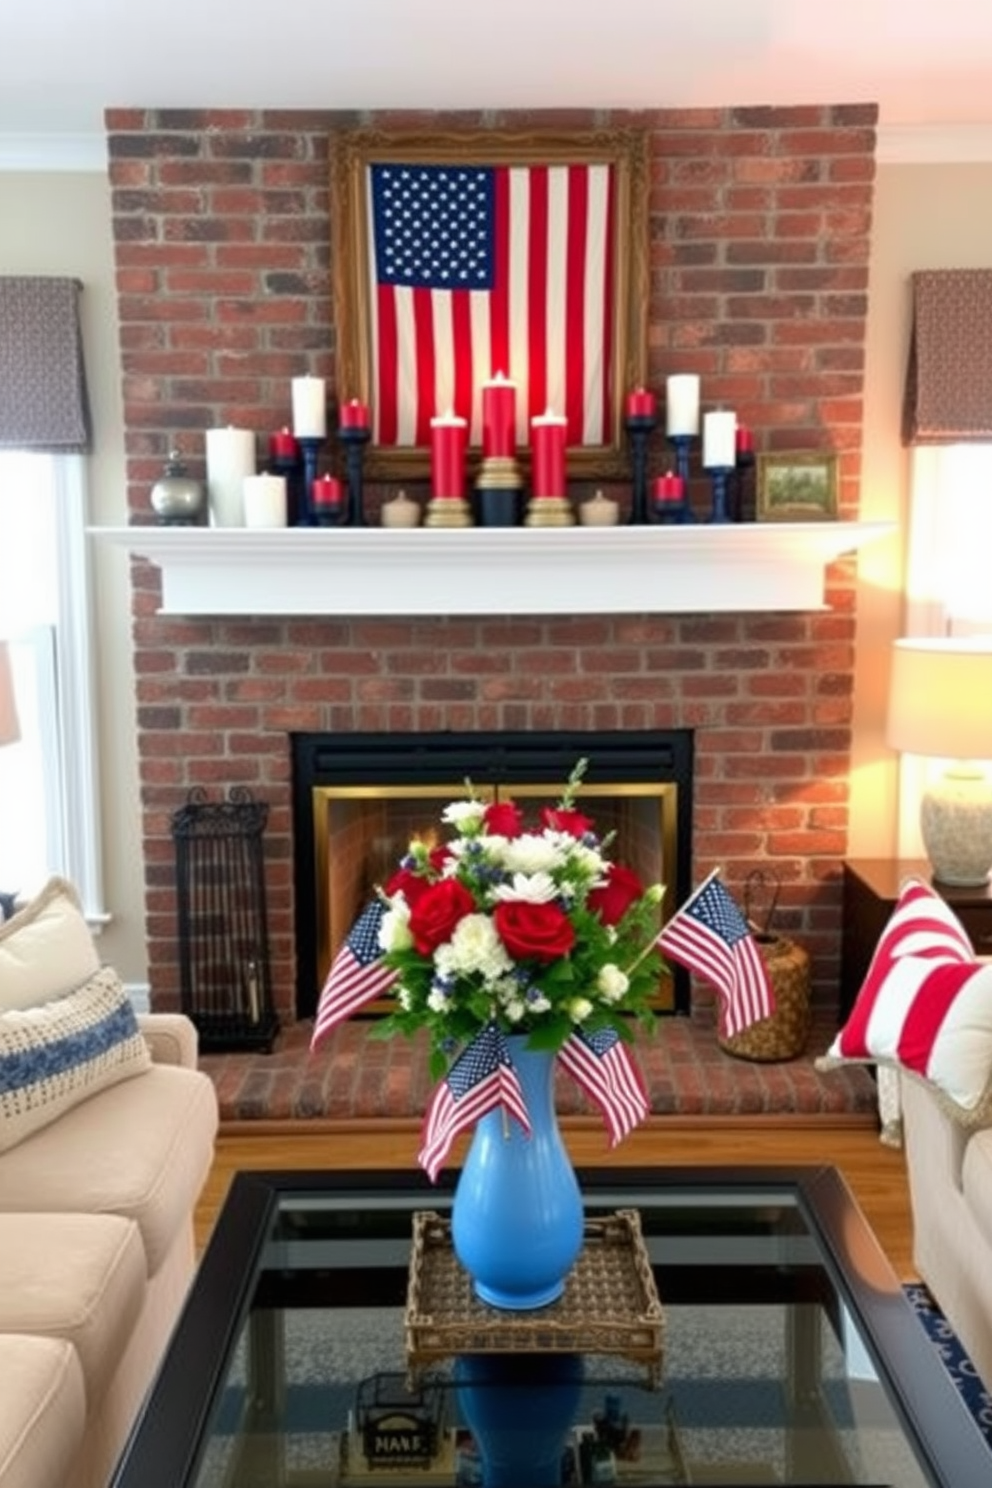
x=166, y=1441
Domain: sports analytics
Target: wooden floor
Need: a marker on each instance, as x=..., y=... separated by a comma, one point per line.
x=874, y=1172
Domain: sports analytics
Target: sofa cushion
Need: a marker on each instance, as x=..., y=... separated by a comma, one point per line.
x=80, y=1277
x=976, y=1181
x=141, y=1149
x=60, y=1053
x=46, y=948
x=42, y=1411
x=925, y=1007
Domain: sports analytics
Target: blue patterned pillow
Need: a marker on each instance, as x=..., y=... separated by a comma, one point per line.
x=56, y=1055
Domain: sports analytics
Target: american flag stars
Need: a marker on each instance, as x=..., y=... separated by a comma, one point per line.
x=433, y=226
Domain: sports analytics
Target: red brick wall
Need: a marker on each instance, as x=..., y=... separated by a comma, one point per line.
x=760, y=228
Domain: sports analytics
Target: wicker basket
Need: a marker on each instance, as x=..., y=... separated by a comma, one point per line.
x=784, y=1034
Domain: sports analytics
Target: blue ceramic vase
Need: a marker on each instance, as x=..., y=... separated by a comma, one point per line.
x=517, y=1219
x=520, y=1411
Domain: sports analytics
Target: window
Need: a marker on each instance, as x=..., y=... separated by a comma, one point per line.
x=49, y=809
x=950, y=539
x=947, y=584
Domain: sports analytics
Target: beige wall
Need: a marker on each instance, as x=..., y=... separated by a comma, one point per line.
x=53, y=223
x=925, y=217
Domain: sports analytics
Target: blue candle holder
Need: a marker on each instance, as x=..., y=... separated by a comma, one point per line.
x=681, y=444
x=310, y=447
x=639, y=429
x=720, y=477
x=354, y=441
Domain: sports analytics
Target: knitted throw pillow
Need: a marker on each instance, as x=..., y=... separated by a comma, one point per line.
x=54, y=1056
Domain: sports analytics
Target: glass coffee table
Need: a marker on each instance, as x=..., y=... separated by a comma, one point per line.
x=787, y=1352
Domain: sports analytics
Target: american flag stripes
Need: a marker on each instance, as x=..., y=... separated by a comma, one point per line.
x=357, y=974
x=710, y=936
x=601, y=1064
x=481, y=269
x=481, y=1080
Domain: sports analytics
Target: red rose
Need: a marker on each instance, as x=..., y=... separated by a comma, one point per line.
x=411, y=885
x=436, y=913
x=558, y=819
x=612, y=900
x=533, y=932
x=503, y=819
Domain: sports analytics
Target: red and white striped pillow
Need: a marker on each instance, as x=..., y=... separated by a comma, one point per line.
x=925, y=1006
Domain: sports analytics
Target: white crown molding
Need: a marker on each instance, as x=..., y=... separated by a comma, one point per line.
x=53, y=152
x=933, y=144
x=896, y=144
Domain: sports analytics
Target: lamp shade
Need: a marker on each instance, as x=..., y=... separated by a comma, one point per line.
x=10, y=730
x=940, y=697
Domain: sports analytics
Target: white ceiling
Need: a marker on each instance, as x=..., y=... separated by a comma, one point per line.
x=62, y=62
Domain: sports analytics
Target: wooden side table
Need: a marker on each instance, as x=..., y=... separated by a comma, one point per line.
x=871, y=888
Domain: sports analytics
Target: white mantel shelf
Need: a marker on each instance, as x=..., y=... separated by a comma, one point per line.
x=493, y=570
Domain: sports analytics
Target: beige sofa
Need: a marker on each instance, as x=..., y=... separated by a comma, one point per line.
x=97, y=1195
x=950, y=1185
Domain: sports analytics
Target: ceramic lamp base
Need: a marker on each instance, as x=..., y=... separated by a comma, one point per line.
x=956, y=823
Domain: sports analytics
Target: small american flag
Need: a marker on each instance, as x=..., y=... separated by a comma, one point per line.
x=357, y=974
x=481, y=1079
x=480, y=269
x=710, y=936
x=601, y=1063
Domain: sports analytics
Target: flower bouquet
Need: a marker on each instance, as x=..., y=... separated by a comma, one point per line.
x=519, y=948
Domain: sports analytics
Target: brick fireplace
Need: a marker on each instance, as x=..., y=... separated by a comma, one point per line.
x=760, y=224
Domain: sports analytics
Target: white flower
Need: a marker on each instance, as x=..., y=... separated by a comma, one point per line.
x=474, y=947
x=438, y=1001
x=612, y=982
x=464, y=815
x=533, y=853
x=579, y=1009
x=404, y=998
x=515, y=1009
x=394, y=928
x=532, y=888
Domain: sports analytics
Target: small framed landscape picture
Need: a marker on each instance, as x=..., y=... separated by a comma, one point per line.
x=797, y=488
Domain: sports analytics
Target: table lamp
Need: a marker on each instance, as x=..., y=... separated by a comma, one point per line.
x=9, y=728
x=940, y=704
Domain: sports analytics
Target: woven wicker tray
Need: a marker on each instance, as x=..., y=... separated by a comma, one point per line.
x=610, y=1304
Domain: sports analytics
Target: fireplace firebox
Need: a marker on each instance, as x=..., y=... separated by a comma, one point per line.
x=358, y=799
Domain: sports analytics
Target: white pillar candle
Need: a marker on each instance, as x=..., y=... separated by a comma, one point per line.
x=230, y=457
x=265, y=501
x=719, y=441
x=682, y=404
x=309, y=408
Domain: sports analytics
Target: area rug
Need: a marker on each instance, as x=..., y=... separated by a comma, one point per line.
x=960, y=1368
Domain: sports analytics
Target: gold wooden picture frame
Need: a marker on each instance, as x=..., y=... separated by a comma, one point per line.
x=357, y=157
x=798, y=487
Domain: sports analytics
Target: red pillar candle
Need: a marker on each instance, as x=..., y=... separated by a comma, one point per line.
x=499, y=418
x=547, y=442
x=353, y=415
x=283, y=445
x=449, y=439
x=641, y=403
x=326, y=491
x=668, y=487
x=744, y=440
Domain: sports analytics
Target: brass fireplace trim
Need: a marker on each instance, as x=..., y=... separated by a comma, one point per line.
x=335, y=912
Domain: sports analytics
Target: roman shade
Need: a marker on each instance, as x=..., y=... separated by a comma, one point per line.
x=43, y=404
x=948, y=397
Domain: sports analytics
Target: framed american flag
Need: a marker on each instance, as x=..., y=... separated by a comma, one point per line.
x=461, y=257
